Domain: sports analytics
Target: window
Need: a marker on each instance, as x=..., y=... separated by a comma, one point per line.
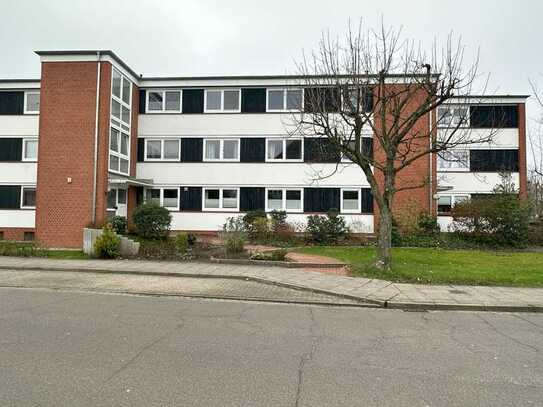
x=284, y=150
x=30, y=149
x=119, y=149
x=453, y=160
x=164, y=101
x=350, y=200
x=32, y=102
x=29, y=236
x=453, y=116
x=281, y=100
x=284, y=199
x=120, y=120
x=221, y=150
x=221, y=198
x=166, y=197
x=358, y=100
x=115, y=197
x=28, y=197
x=162, y=150
x=445, y=203
x=224, y=100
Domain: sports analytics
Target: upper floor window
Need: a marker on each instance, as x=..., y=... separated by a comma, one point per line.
x=119, y=149
x=121, y=87
x=221, y=150
x=223, y=100
x=164, y=101
x=28, y=197
x=453, y=116
x=284, y=150
x=281, y=100
x=30, y=149
x=32, y=102
x=162, y=150
x=453, y=160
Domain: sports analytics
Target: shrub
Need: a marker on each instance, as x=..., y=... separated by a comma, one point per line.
x=278, y=220
x=427, y=225
x=499, y=219
x=21, y=249
x=327, y=229
x=158, y=249
x=119, y=224
x=107, y=245
x=152, y=221
x=274, y=255
x=192, y=239
x=182, y=243
x=234, y=235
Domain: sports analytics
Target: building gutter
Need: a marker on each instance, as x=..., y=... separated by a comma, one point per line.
x=95, y=169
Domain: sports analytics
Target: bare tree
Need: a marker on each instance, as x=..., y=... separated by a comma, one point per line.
x=377, y=83
x=535, y=141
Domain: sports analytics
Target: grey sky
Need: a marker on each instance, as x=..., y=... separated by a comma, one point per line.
x=255, y=37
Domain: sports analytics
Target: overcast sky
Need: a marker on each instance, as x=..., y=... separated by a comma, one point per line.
x=231, y=37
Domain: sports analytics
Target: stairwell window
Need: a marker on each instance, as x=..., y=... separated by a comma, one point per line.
x=120, y=123
x=222, y=101
x=226, y=199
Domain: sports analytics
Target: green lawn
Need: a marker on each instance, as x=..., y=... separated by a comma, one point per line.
x=66, y=254
x=438, y=266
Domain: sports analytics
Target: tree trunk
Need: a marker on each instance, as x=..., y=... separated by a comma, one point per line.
x=384, y=243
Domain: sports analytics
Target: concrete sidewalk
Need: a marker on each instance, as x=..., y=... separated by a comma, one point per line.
x=383, y=293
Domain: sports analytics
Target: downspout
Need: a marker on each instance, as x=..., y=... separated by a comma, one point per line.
x=431, y=165
x=95, y=173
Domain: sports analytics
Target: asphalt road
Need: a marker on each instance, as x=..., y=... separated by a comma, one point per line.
x=61, y=348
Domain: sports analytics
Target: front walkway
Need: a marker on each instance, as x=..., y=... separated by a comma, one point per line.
x=384, y=293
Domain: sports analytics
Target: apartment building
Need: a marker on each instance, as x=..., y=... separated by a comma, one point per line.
x=92, y=139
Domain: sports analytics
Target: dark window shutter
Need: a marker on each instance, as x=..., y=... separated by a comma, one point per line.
x=320, y=150
x=143, y=101
x=191, y=198
x=252, y=199
x=141, y=149
x=321, y=199
x=193, y=101
x=192, y=150
x=482, y=116
x=253, y=100
x=366, y=200
x=367, y=146
x=11, y=149
x=252, y=150
x=321, y=100
x=493, y=160
x=10, y=196
x=12, y=103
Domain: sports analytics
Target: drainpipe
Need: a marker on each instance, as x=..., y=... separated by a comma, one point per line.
x=431, y=165
x=95, y=173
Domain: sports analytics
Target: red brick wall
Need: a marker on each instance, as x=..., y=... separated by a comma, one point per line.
x=66, y=149
x=131, y=195
x=523, y=171
x=15, y=233
x=416, y=174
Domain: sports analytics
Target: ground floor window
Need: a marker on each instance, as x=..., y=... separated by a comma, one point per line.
x=166, y=197
x=221, y=198
x=116, y=197
x=284, y=199
x=445, y=203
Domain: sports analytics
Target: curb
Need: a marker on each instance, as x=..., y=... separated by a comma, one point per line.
x=276, y=263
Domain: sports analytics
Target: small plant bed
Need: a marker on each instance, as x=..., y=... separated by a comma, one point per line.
x=440, y=266
x=32, y=249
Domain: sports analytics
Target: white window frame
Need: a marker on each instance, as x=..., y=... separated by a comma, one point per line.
x=221, y=150
x=162, y=140
x=222, y=109
x=454, y=201
x=285, y=159
x=284, y=109
x=22, y=195
x=452, y=111
x=163, y=110
x=30, y=160
x=284, y=199
x=359, y=209
x=118, y=154
x=25, y=110
x=221, y=207
x=161, y=203
x=119, y=125
x=465, y=166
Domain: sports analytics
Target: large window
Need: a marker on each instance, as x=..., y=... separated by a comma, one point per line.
x=119, y=142
x=453, y=160
x=453, y=116
x=164, y=101
x=166, y=197
x=284, y=150
x=28, y=197
x=280, y=100
x=284, y=199
x=350, y=200
x=30, y=149
x=223, y=100
x=32, y=102
x=221, y=150
x=226, y=199
x=162, y=150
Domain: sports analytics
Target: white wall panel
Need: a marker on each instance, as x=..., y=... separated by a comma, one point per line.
x=471, y=182
x=18, y=173
x=14, y=218
x=20, y=125
x=501, y=138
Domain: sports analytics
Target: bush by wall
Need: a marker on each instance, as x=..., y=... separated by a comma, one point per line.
x=119, y=224
x=329, y=229
x=151, y=221
x=107, y=245
x=234, y=235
